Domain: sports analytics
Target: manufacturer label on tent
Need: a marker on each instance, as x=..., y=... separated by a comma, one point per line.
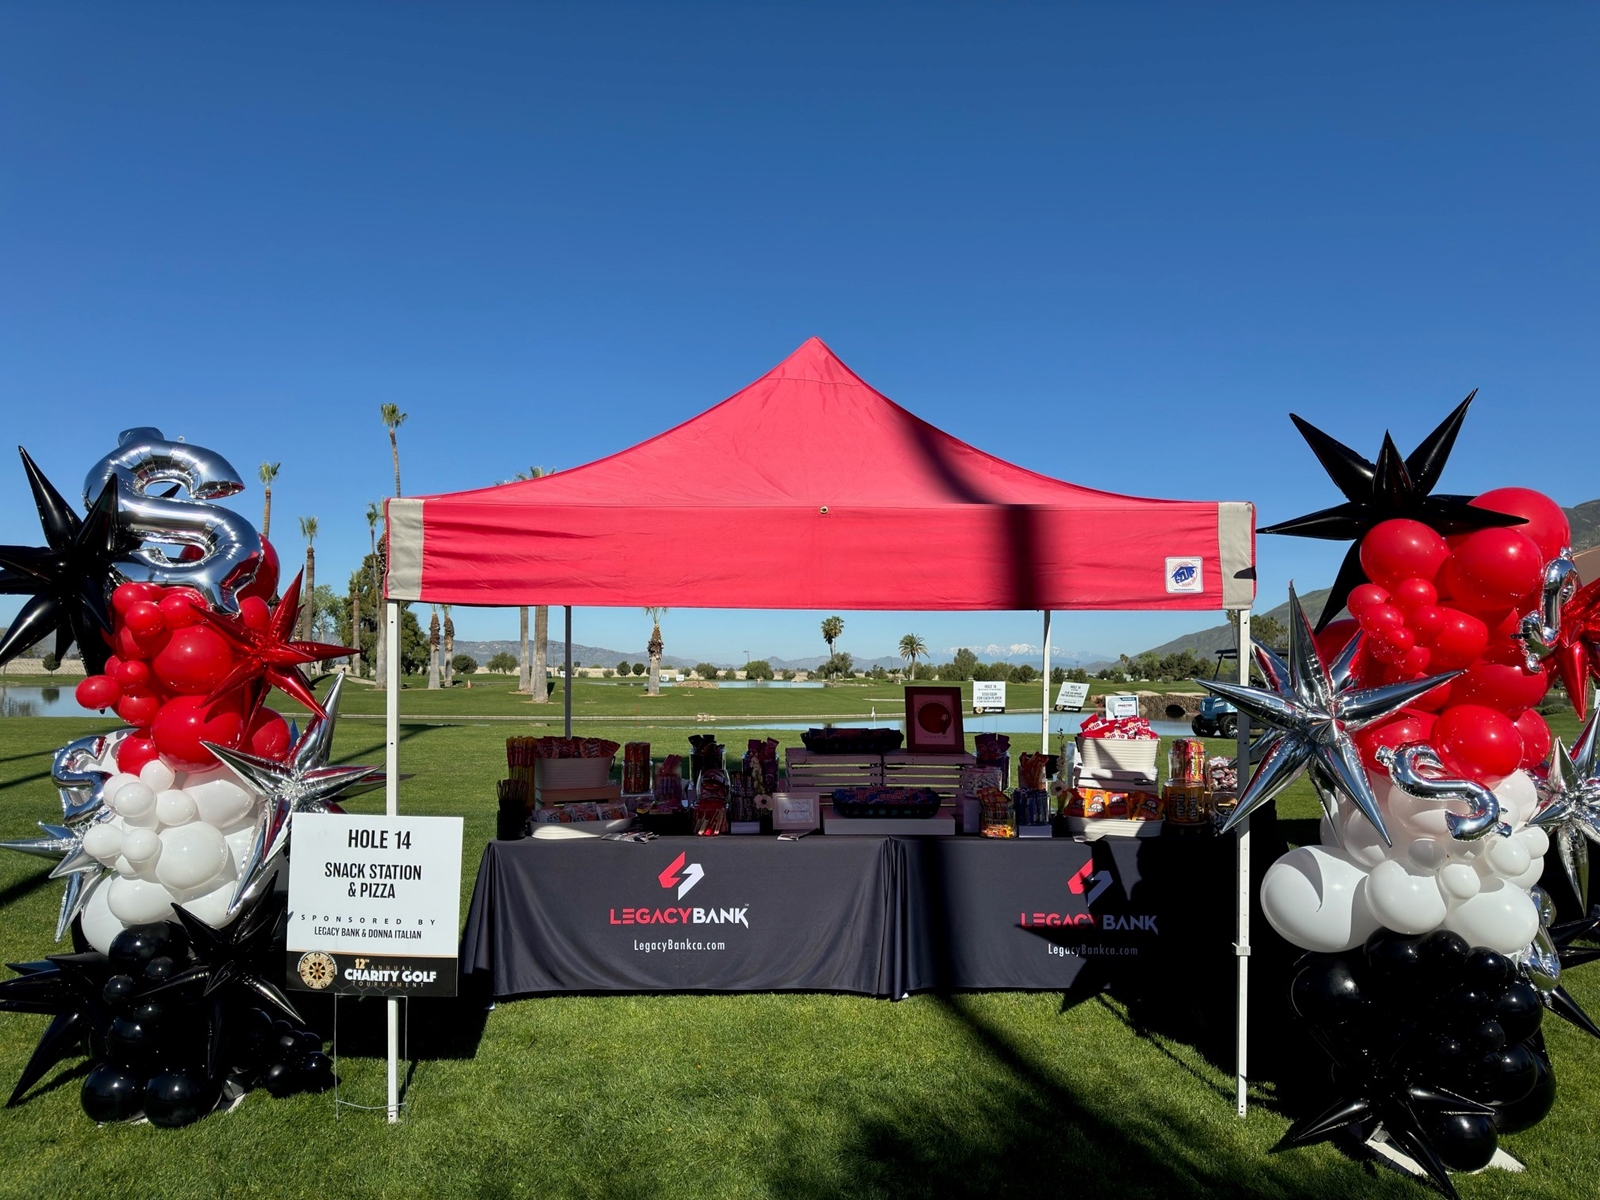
x=1184, y=575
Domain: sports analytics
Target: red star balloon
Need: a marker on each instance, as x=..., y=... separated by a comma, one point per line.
x=268, y=656
x=1577, y=650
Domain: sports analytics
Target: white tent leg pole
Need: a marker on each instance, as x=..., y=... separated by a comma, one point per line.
x=1044, y=717
x=1241, y=947
x=391, y=792
x=566, y=688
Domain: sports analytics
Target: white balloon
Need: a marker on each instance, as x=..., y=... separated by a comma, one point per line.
x=1518, y=797
x=138, y=901
x=1327, y=834
x=157, y=776
x=191, y=855
x=1316, y=898
x=1500, y=917
x=125, y=868
x=1404, y=899
x=221, y=802
x=1458, y=881
x=1427, y=854
x=114, y=785
x=100, y=924
x=1507, y=856
x=1531, y=876
x=140, y=846
x=212, y=907
x=104, y=841
x=136, y=799
x=1363, y=844
x=1535, y=839
x=174, y=807
x=1414, y=815
x=239, y=843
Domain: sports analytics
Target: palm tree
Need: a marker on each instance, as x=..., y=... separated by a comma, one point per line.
x=393, y=418
x=912, y=648
x=653, y=647
x=380, y=655
x=308, y=594
x=532, y=670
x=355, y=626
x=446, y=663
x=268, y=472
x=433, y=650
x=832, y=629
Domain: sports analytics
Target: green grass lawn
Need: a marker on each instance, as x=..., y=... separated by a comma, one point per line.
x=789, y=1096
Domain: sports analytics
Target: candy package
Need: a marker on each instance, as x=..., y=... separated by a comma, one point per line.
x=1097, y=802
x=636, y=768
x=996, y=817
x=1031, y=770
x=1121, y=728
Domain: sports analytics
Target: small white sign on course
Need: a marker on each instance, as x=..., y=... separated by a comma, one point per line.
x=374, y=904
x=988, y=695
x=1123, y=704
x=1072, y=696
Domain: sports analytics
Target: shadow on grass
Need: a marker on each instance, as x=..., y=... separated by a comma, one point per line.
x=432, y=1028
x=23, y=887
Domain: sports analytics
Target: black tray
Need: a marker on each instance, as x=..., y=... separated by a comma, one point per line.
x=852, y=741
x=880, y=802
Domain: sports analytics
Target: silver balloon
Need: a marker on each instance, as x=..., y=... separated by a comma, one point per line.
x=230, y=546
x=1540, y=630
x=1313, y=711
x=1417, y=771
x=1569, y=805
x=78, y=775
x=82, y=871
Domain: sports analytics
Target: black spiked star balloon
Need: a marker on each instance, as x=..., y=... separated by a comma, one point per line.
x=69, y=579
x=67, y=988
x=1393, y=487
x=238, y=956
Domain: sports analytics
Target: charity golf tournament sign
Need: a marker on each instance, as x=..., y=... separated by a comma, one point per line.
x=374, y=904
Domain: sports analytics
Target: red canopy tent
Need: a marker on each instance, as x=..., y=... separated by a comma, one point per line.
x=837, y=497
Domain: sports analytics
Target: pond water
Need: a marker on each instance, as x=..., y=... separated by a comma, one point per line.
x=31, y=701
x=1013, y=723
x=757, y=683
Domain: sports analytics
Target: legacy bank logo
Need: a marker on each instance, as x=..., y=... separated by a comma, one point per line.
x=682, y=875
x=1091, y=885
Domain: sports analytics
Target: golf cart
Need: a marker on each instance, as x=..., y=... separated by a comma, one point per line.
x=1217, y=718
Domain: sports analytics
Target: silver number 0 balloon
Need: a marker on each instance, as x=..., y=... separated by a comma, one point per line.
x=230, y=546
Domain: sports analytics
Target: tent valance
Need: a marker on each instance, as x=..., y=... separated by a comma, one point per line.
x=827, y=494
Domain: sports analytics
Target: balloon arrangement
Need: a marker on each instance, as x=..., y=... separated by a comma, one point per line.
x=1417, y=719
x=173, y=829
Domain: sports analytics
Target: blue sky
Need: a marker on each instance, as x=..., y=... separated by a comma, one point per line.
x=1113, y=243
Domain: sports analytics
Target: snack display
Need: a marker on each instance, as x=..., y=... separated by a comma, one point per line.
x=710, y=818
x=669, y=783
x=1222, y=774
x=636, y=768
x=1097, y=802
x=1145, y=807
x=761, y=763
x=828, y=740
x=1032, y=769
x=1186, y=762
x=996, y=817
x=705, y=754
x=991, y=747
x=1188, y=804
x=567, y=814
x=885, y=802
x=1033, y=804
x=520, y=750
x=1120, y=728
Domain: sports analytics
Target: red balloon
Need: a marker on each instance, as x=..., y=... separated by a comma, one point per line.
x=181, y=608
x=138, y=708
x=265, y=583
x=98, y=691
x=1404, y=727
x=1492, y=569
x=131, y=645
x=1381, y=618
x=186, y=721
x=1364, y=596
x=1478, y=743
x=1547, y=525
x=125, y=595
x=1332, y=640
x=1426, y=622
x=253, y=611
x=1399, y=549
x=133, y=752
x=1459, y=641
x=194, y=661
x=269, y=735
x=1510, y=688
x=133, y=675
x=1392, y=645
x=1436, y=700
x=1415, y=663
x=144, y=618
x=1535, y=739
x=1412, y=594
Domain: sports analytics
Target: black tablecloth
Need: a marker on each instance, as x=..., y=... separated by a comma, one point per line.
x=875, y=916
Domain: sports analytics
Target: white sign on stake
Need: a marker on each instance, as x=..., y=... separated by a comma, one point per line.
x=1123, y=704
x=374, y=904
x=1072, y=696
x=988, y=695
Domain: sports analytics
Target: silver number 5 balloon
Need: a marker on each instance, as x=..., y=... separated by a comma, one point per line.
x=230, y=546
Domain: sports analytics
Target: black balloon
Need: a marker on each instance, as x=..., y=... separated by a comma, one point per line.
x=1519, y=1011
x=112, y=1093
x=1506, y=1075
x=316, y=1072
x=118, y=989
x=281, y=1080
x=133, y=1043
x=1443, y=956
x=287, y=1046
x=1325, y=990
x=175, y=1098
x=1489, y=971
x=1463, y=1141
x=158, y=968
x=1446, y=1057
x=1395, y=960
x=133, y=949
x=1532, y=1108
x=1485, y=1036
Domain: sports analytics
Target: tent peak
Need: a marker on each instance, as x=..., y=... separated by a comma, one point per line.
x=813, y=360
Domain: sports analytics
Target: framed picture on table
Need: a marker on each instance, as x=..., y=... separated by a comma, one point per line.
x=933, y=720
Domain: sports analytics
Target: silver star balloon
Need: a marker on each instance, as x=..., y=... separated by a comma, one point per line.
x=304, y=782
x=79, y=776
x=1314, y=711
x=1569, y=808
x=81, y=870
x=1540, y=965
